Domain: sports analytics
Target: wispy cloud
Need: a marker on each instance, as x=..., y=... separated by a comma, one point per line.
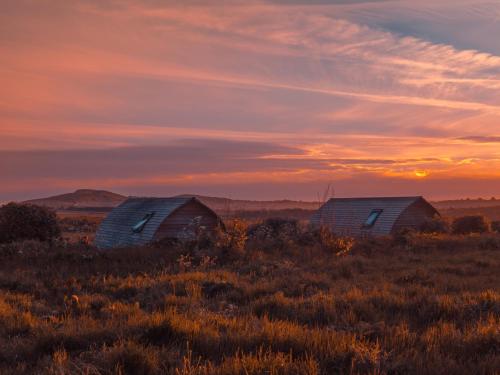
x=339, y=89
x=482, y=139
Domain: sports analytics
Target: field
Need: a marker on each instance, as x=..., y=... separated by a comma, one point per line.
x=420, y=304
x=492, y=213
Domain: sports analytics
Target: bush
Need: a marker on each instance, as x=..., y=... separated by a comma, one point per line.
x=79, y=224
x=470, y=224
x=27, y=222
x=404, y=237
x=495, y=226
x=27, y=247
x=231, y=240
x=326, y=240
x=131, y=358
x=435, y=225
x=274, y=227
x=275, y=233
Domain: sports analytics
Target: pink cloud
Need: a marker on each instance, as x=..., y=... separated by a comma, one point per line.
x=333, y=81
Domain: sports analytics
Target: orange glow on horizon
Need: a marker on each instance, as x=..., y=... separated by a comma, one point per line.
x=253, y=93
x=421, y=174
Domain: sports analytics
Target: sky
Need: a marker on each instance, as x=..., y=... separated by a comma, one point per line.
x=250, y=99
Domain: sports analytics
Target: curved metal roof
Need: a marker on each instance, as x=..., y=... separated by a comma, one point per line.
x=116, y=228
x=347, y=216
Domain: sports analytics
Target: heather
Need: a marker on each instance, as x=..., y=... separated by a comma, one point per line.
x=300, y=303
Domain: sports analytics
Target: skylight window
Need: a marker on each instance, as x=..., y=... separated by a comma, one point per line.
x=137, y=228
x=372, y=218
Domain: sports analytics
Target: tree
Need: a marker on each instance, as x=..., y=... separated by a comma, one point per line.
x=27, y=222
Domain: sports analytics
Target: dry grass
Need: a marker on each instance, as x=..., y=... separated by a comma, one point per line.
x=425, y=305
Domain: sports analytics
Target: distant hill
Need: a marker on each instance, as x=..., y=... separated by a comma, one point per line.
x=81, y=198
x=92, y=199
x=225, y=205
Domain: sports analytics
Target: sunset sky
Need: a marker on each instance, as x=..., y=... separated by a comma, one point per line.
x=257, y=100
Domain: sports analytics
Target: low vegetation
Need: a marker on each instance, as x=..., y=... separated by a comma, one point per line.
x=495, y=226
x=275, y=298
x=470, y=224
x=27, y=222
x=435, y=225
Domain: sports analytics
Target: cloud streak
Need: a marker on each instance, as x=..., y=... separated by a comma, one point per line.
x=330, y=90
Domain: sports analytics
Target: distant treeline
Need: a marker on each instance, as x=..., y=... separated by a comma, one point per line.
x=492, y=213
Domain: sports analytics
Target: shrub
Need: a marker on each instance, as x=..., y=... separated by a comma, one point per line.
x=27, y=222
x=495, y=226
x=231, y=240
x=470, y=224
x=327, y=240
x=489, y=242
x=403, y=237
x=26, y=247
x=274, y=227
x=79, y=224
x=132, y=358
x=193, y=238
x=435, y=225
x=275, y=233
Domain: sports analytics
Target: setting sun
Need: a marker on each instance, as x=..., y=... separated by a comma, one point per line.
x=421, y=174
x=320, y=92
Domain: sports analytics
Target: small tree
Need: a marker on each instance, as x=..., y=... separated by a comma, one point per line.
x=470, y=224
x=27, y=222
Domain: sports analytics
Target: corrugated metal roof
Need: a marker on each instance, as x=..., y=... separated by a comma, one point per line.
x=116, y=228
x=347, y=216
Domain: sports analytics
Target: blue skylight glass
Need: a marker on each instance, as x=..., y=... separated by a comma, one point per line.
x=372, y=218
x=137, y=228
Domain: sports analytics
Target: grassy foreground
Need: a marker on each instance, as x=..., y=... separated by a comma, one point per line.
x=428, y=306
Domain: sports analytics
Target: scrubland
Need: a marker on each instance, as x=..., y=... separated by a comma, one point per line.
x=415, y=304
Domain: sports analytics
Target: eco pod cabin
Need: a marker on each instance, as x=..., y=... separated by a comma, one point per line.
x=359, y=217
x=139, y=221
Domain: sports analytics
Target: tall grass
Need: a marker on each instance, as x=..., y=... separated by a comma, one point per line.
x=427, y=305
